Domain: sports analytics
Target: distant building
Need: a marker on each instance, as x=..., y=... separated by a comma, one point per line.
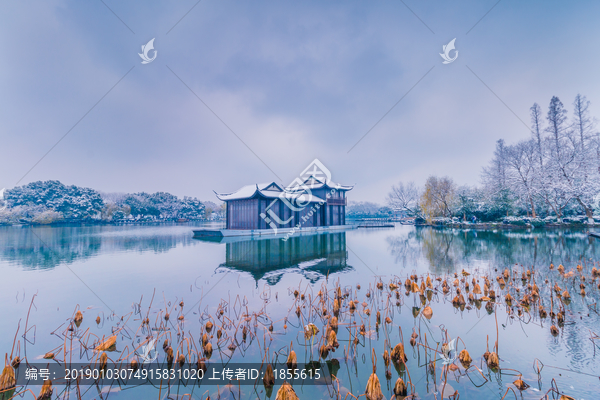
x=313, y=204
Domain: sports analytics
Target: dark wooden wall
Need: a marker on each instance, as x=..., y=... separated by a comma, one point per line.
x=242, y=214
x=245, y=214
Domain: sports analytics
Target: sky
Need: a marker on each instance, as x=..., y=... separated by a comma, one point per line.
x=246, y=92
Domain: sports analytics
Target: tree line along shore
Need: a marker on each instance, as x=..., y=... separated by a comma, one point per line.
x=51, y=202
x=551, y=178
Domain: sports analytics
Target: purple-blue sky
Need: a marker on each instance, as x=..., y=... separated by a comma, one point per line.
x=294, y=80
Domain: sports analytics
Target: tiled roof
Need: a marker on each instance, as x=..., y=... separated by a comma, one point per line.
x=270, y=190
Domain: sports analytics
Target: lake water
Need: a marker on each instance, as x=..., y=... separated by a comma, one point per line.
x=137, y=271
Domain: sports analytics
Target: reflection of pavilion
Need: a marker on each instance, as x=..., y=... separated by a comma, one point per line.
x=314, y=256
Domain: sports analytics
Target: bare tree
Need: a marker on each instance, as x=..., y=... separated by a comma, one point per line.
x=404, y=197
x=585, y=185
x=521, y=160
x=536, y=129
x=562, y=159
x=583, y=125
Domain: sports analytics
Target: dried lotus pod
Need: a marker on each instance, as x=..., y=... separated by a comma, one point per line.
x=465, y=358
x=107, y=344
x=208, y=350
x=286, y=392
x=292, y=360
x=398, y=354
x=493, y=361
x=7, y=379
x=427, y=312
x=269, y=378
x=46, y=391
x=399, y=389
x=103, y=360
x=332, y=340
x=78, y=318
x=373, y=390
x=520, y=384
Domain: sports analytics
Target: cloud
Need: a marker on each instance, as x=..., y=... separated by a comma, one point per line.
x=295, y=81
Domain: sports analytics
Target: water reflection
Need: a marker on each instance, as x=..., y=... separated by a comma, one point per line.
x=48, y=247
x=312, y=256
x=522, y=337
x=446, y=250
x=434, y=250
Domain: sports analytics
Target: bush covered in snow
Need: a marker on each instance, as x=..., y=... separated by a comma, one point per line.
x=47, y=217
x=537, y=222
x=73, y=202
x=519, y=221
x=51, y=201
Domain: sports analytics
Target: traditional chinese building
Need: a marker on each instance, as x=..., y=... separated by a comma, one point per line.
x=314, y=203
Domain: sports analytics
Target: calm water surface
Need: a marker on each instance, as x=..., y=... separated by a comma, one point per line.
x=104, y=268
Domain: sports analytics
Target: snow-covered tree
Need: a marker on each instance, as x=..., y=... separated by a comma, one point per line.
x=73, y=202
x=495, y=179
x=191, y=208
x=140, y=206
x=562, y=159
x=558, y=168
x=404, y=197
x=168, y=205
x=586, y=178
x=522, y=161
x=363, y=209
x=50, y=201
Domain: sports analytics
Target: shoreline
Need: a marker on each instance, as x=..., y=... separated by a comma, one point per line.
x=476, y=226
x=112, y=223
x=492, y=226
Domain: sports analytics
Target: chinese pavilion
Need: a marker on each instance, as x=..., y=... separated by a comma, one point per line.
x=314, y=203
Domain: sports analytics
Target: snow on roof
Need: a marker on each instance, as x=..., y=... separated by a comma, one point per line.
x=313, y=182
x=270, y=190
x=243, y=193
